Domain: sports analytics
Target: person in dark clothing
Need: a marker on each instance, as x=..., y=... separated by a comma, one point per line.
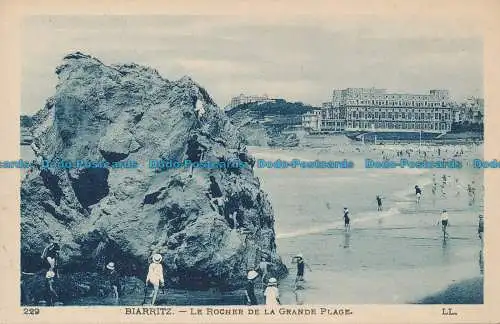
x=418, y=193
x=263, y=270
x=480, y=228
x=347, y=220
x=194, y=151
x=379, y=203
x=215, y=191
x=300, y=268
x=215, y=195
x=114, y=279
x=250, y=288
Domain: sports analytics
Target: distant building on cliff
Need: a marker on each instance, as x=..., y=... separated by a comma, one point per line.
x=370, y=109
x=243, y=99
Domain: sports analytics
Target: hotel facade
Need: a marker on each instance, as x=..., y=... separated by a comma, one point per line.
x=244, y=99
x=370, y=109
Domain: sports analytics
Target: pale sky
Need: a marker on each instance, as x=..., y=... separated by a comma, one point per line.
x=300, y=58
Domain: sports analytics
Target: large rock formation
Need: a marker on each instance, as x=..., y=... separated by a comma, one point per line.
x=125, y=113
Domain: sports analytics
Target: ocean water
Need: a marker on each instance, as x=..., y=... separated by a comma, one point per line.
x=389, y=257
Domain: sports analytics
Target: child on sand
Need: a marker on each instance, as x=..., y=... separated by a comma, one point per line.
x=113, y=278
x=155, y=276
x=347, y=220
x=299, y=259
x=379, y=203
x=418, y=193
x=272, y=293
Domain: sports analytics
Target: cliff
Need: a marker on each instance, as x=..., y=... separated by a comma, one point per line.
x=266, y=124
x=124, y=113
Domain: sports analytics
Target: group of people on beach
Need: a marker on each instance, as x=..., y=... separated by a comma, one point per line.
x=270, y=283
x=155, y=278
x=50, y=257
x=443, y=220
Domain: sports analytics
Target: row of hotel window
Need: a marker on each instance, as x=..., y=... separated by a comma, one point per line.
x=390, y=115
x=386, y=125
x=397, y=103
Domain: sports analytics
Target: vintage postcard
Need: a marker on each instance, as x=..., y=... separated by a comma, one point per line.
x=264, y=161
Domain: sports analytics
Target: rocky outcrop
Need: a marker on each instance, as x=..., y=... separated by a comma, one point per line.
x=126, y=114
x=269, y=123
x=26, y=123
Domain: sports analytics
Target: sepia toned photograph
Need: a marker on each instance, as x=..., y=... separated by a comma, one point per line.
x=266, y=162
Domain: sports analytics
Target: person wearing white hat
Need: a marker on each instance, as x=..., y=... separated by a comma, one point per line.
x=113, y=278
x=272, y=293
x=301, y=264
x=250, y=287
x=155, y=276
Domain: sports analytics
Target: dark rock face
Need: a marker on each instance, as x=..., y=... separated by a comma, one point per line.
x=126, y=113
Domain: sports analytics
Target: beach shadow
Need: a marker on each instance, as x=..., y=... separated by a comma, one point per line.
x=445, y=249
x=481, y=262
x=347, y=240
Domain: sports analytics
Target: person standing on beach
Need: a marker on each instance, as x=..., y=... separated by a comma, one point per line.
x=472, y=193
x=444, y=222
x=347, y=225
x=263, y=270
x=155, y=276
x=480, y=228
x=250, y=287
x=113, y=278
x=457, y=187
x=379, y=203
x=418, y=193
x=272, y=293
x=301, y=264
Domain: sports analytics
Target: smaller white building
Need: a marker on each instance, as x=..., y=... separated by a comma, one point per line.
x=311, y=121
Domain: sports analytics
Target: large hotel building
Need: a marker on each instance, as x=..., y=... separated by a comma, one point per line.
x=370, y=109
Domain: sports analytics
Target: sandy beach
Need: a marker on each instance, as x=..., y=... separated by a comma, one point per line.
x=389, y=257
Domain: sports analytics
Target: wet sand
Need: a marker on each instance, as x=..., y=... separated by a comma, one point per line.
x=391, y=257
x=465, y=292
